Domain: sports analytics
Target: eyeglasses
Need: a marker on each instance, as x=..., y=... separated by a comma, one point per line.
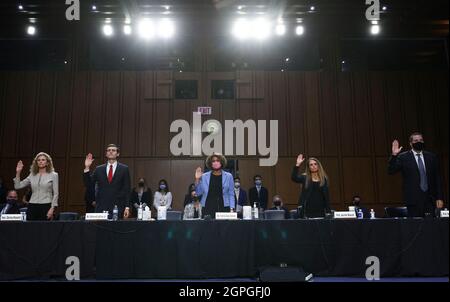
x=111, y=150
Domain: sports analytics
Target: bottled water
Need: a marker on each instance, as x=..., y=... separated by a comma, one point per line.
x=140, y=212
x=372, y=214
x=255, y=211
x=115, y=213
x=360, y=214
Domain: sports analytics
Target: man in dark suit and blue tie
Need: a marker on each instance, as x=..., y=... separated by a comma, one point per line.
x=422, y=185
x=113, y=182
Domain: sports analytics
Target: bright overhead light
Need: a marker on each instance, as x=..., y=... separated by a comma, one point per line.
x=20, y=7
x=108, y=30
x=241, y=29
x=94, y=7
x=375, y=29
x=31, y=30
x=312, y=8
x=374, y=22
x=384, y=8
x=299, y=30
x=166, y=28
x=280, y=29
x=146, y=29
x=260, y=29
x=127, y=29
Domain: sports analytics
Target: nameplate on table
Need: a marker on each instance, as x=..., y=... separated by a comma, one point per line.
x=226, y=216
x=344, y=214
x=96, y=216
x=444, y=214
x=17, y=217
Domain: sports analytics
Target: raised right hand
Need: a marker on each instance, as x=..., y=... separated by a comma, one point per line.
x=198, y=173
x=88, y=161
x=19, y=167
x=395, y=148
x=300, y=159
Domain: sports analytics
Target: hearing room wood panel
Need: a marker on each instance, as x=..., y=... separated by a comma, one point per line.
x=63, y=100
x=95, y=114
x=27, y=114
x=44, y=112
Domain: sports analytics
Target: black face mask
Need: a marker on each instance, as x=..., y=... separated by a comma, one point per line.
x=277, y=203
x=141, y=184
x=419, y=146
x=356, y=202
x=11, y=201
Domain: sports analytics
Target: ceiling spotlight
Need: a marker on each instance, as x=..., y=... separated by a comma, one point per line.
x=375, y=29
x=108, y=30
x=241, y=29
x=374, y=22
x=299, y=30
x=312, y=8
x=261, y=29
x=287, y=59
x=31, y=30
x=167, y=7
x=20, y=7
x=384, y=8
x=166, y=29
x=146, y=29
x=343, y=62
x=240, y=7
x=65, y=62
x=94, y=7
x=127, y=29
x=280, y=29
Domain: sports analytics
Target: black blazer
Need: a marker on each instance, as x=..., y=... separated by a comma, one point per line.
x=15, y=209
x=261, y=199
x=407, y=165
x=306, y=192
x=109, y=194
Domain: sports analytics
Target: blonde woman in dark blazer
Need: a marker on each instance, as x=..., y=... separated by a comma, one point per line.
x=44, y=187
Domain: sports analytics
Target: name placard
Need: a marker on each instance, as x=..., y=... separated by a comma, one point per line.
x=96, y=216
x=444, y=214
x=226, y=216
x=344, y=214
x=18, y=217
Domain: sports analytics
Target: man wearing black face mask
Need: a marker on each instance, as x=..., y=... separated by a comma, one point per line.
x=422, y=186
x=11, y=206
x=277, y=202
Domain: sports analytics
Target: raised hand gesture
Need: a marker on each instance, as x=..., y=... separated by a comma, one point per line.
x=395, y=148
x=88, y=161
x=19, y=167
x=198, y=173
x=300, y=160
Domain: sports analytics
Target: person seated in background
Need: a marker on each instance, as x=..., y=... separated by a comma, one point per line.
x=163, y=197
x=240, y=195
x=356, y=202
x=11, y=206
x=277, y=203
x=192, y=205
x=140, y=195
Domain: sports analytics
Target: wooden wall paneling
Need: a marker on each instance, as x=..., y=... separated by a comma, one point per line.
x=76, y=189
x=296, y=111
x=95, y=114
x=363, y=131
x=145, y=114
x=27, y=115
x=346, y=114
x=313, y=118
x=389, y=186
x=44, y=117
x=128, y=131
x=442, y=100
x=279, y=111
x=60, y=167
x=162, y=118
x=77, y=127
x=289, y=190
x=244, y=85
x=112, y=114
x=358, y=178
x=394, y=111
x=164, y=84
x=328, y=114
x=62, y=112
x=410, y=89
x=429, y=123
x=331, y=166
x=182, y=175
x=381, y=145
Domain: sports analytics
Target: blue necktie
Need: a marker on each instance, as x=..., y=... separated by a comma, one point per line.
x=423, y=174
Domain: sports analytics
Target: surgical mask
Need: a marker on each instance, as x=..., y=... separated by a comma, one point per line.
x=11, y=201
x=258, y=182
x=277, y=203
x=237, y=184
x=419, y=146
x=162, y=187
x=216, y=165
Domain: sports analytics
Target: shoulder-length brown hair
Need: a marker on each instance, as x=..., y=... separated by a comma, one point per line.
x=321, y=172
x=34, y=169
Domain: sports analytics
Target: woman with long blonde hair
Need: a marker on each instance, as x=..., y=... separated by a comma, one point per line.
x=43, y=181
x=314, y=199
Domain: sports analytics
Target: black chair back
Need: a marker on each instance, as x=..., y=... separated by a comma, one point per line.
x=396, y=212
x=274, y=215
x=173, y=215
x=65, y=216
